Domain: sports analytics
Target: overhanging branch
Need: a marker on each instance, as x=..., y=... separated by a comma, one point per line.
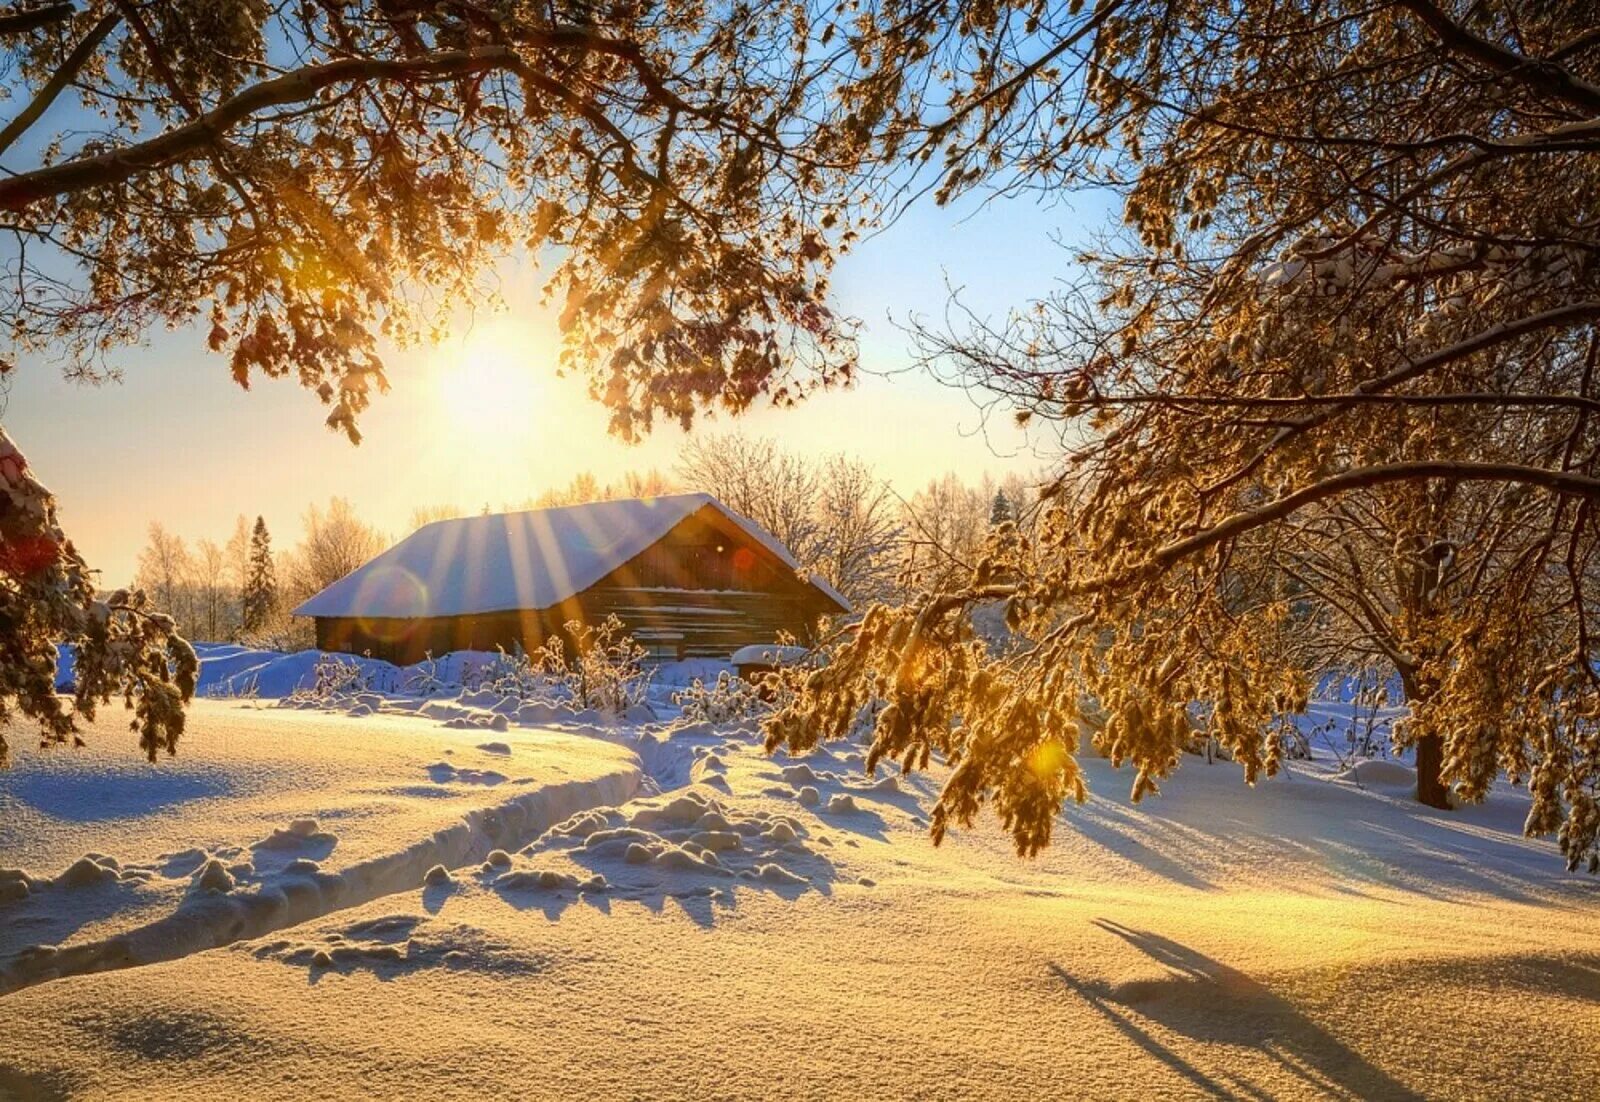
x=195, y=138
x=1163, y=558
x=21, y=22
x=1545, y=76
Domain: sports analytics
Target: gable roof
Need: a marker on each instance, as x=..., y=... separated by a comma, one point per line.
x=526, y=560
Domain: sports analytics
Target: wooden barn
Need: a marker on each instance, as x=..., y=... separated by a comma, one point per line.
x=685, y=574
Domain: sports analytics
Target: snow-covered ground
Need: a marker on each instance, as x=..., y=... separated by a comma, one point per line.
x=671, y=913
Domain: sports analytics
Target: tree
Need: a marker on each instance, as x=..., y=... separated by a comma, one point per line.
x=859, y=531
x=776, y=489
x=584, y=487
x=1352, y=322
x=424, y=515
x=334, y=544
x=164, y=571
x=834, y=515
x=210, y=581
x=260, y=589
x=237, y=554
x=46, y=600
x=310, y=178
x=1000, y=511
x=946, y=525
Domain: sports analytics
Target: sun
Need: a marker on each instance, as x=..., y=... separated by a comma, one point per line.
x=490, y=381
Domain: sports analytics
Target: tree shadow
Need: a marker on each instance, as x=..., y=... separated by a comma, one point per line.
x=104, y=794
x=1213, y=1004
x=1206, y=827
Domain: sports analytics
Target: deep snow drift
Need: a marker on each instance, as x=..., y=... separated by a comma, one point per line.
x=724, y=924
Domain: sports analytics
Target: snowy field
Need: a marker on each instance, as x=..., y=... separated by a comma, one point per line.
x=462, y=898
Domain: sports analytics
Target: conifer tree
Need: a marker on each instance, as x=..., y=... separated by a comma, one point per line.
x=261, y=584
x=1000, y=511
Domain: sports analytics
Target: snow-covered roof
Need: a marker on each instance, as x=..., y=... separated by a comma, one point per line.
x=525, y=560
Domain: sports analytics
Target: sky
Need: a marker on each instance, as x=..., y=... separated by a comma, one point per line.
x=484, y=420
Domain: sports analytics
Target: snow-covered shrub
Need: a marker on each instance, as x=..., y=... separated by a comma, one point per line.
x=605, y=671
x=1369, y=728
x=426, y=678
x=1296, y=745
x=334, y=676
x=245, y=688
x=514, y=674
x=728, y=699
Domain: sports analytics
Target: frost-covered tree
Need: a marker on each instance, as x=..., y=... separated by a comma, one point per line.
x=211, y=598
x=237, y=555
x=859, y=531
x=310, y=180
x=946, y=523
x=586, y=486
x=1352, y=319
x=427, y=514
x=756, y=478
x=335, y=542
x=47, y=599
x=833, y=513
x=260, y=591
x=165, y=571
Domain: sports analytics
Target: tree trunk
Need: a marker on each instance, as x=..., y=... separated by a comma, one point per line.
x=1431, y=789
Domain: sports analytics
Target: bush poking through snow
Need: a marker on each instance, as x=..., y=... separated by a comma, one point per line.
x=605, y=670
x=426, y=678
x=334, y=677
x=214, y=877
x=514, y=674
x=727, y=700
x=87, y=871
x=15, y=884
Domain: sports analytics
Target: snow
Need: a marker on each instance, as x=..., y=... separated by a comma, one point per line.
x=231, y=671
x=693, y=918
x=758, y=655
x=526, y=560
x=303, y=813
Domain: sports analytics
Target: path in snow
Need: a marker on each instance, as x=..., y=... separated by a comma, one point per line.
x=781, y=928
x=266, y=819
